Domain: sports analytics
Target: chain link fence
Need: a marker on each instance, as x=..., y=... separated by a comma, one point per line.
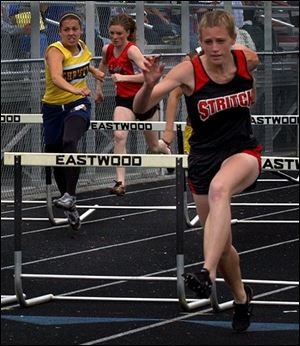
x=23, y=82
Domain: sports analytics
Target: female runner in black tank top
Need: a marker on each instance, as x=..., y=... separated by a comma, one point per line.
x=225, y=156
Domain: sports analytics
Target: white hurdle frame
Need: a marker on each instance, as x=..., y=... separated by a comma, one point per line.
x=134, y=125
x=142, y=126
x=173, y=161
x=153, y=207
x=268, y=163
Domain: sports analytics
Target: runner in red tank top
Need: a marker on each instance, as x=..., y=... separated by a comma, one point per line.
x=124, y=61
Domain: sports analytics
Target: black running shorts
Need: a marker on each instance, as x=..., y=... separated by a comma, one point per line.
x=203, y=168
x=127, y=102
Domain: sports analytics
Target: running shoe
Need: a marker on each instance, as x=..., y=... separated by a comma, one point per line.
x=73, y=218
x=242, y=312
x=199, y=282
x=66, y=201
x=118, y=189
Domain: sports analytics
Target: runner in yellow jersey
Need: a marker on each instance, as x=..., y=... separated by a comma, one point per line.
x=66, y=107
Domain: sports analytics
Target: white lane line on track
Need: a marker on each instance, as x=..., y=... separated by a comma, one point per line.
x=7, y=236
x=96, y=198
x=151, y=189
x=174, y=269
x=118, y=245
x=83, y=223
x=9, y=307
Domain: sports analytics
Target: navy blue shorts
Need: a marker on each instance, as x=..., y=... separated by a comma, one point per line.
x=54, y=117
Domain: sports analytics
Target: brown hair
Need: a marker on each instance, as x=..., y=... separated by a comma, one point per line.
x=69, y=15
x=218, y=18
x=127, y=23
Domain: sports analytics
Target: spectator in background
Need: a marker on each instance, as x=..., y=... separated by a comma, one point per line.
x=20, y=15
x=255, y=26
x=255, y=30
x=238, y=13
x=151, y=35
x=244, y=38
x=12, y=28
x=10, y=35
x=166, y=30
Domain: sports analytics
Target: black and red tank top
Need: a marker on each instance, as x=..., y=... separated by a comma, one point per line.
x=220, y=113
x=122, y=65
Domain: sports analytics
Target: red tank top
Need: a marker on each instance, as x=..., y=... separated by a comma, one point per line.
x=122, y=65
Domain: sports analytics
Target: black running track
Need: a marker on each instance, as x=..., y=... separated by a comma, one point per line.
x=143, y=242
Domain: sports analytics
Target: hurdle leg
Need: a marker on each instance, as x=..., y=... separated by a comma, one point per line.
x=181, y=151
x=10, y=299
x=20, y=296
x=52, y=219
x=180, y=226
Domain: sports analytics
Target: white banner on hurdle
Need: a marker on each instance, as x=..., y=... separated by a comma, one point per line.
x=146, y=125
x=129, y=160
x=98, y=160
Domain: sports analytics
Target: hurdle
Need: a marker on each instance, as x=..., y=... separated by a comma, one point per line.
x=149, y=126
x=94, y=125
x=178, y=127
x=173, y=161
x=115, y=160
